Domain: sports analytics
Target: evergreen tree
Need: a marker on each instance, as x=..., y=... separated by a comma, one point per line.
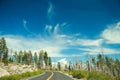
x=100, y=61
x=46, y=58
x=24, y=58
x=94, y=62
x=10, y=60
x=88, y=63
x=117, y=64
x=41, y=58
x=30, y=57
x=20, y=57
x=49, y=62
x=35, y=58
x=15, y=57
x=5, y=57
x=3, y=51
x=59, y=66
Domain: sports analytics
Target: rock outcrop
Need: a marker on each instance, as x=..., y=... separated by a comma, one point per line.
x=3, y=72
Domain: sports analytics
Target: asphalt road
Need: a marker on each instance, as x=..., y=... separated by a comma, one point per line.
x=60, y=76
x=41, y=77
x=55, y=76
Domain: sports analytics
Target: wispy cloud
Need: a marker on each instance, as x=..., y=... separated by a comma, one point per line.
x=50, y=8
x=50, y=11
x=99, y=50
x=48, y=28
x=58, y=41
x=25, y=27
x=53, y=44
x=112, y=34
x=56, y=28
x=36, y=44
x=64, y=24
x=86, y=42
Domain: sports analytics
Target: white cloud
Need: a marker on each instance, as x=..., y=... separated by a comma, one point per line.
x=50, y=11
x=50, y=8
x=64, y=24
x=112, y=34
x=48, y=28
x=53, y=44
x=56, y=28
x=26, y=28
x=56, y=42
x=98, y=50
x=18, y=43
x=110, y=51
x=24, y=22
x=86, y=42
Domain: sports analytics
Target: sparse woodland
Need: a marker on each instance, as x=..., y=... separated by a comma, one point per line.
x=97, y=68
x=23, y=57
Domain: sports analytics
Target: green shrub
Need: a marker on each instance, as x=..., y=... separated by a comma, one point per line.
x=79, y=74
x=94, y=75
x=20, y=76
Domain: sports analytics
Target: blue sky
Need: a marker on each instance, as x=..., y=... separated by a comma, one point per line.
x=61, y=27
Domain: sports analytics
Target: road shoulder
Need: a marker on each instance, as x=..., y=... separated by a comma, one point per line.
x=33, y=76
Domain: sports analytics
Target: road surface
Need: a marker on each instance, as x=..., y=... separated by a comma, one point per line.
x=41, y=77
x=60, y=76
x=52, y=76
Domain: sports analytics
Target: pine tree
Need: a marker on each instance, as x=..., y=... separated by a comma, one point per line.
x=1, y=50
x=88, y=63
x=49, y=62
x=100, y=61
x=20, y=57
x=35, y=58
x=16, y=56
x=24, y=58
x=30, y=57
x=4, y=51
x=41, y=58
x=10, y=60
x=94, y=62
x=59, y=66
x=46, y=58
x=5, y=57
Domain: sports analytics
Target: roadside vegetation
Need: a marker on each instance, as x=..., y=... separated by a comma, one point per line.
x=23, y=57
x=98, y=67
x=21, y=76
x=35, y=61
x=93, y=75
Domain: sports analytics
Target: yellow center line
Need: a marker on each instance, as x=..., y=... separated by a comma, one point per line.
x=50, y=76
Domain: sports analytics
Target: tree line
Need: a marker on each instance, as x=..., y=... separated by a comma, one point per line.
x=40, y=59
x=106, y=65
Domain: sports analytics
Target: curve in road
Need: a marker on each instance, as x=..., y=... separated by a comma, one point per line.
x=41, y=77
x=60, y=76
x=52, y=76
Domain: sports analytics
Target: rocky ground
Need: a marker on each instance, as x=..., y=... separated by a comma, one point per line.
x=15, y=69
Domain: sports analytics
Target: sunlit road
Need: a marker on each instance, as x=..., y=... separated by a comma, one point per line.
x=41, y=77
x=60, y=76
x=52, y=76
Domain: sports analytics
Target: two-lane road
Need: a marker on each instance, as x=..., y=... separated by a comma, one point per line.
x=60, y=76
x=41, y=77
x=52, y=76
